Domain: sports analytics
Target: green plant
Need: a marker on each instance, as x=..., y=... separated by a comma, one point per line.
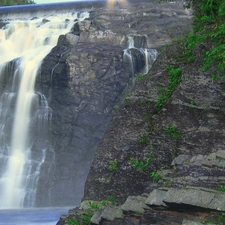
x=113, y=165
x=140, y=77
x=116, y=107
x=93, y=205
x=15, y=2
x=87, y=218
x=73, y=221
x=220, y=219
x=173, y=132
x=104, y=203
x=112, y=200
x=221, y=188
x=208, y=27
x=90, y=209
x=156, y=176
x=174, y=80
x=140, y=165
x=192, y=102
x=143, y=140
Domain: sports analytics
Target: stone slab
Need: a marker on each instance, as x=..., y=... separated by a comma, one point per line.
x=110, y=213
x=156, y=197
x=135, y=204
x=193, y=197
x=218, y=202
x=96, y=218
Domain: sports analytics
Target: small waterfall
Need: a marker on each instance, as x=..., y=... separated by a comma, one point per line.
x=24, y=113
x=130, y=42
x=150, y=57
x=137, y=56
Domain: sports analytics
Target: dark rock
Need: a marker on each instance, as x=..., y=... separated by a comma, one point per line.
x=2, y=24
x=138, y=60
x=85, y=82
x=76, y=29
x=199, y=150
x=45, y=21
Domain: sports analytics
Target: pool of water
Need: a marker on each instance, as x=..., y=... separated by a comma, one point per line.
x=43, y=216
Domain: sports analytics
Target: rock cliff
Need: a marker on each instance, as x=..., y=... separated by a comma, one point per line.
x=84, y=77
x=162, y=166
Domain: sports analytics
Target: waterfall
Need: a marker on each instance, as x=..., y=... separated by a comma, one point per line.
x=131, y=56
x=150, y=57
x=24, y=113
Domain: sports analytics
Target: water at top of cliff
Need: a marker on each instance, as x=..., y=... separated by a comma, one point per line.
x=41, y=10
x=24, y=113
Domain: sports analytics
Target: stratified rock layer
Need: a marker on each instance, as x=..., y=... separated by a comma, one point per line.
x=137, y=131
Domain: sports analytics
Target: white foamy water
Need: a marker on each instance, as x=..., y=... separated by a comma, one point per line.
x=150, y=55
x=23, y=45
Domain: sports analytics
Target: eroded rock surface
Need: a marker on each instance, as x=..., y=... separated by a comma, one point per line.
x=196, y=110
x=83, y=78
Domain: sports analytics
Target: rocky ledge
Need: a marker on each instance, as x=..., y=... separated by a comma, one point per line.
x=171, y=200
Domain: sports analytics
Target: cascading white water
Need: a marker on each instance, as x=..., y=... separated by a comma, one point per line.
x=130, y=42
x=23, y=46
x=150, y=55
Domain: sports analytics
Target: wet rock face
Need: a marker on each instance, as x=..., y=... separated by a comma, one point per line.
x=82, y=84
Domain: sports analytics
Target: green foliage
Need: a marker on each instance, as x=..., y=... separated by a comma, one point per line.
x=116, y=107
x=174, y=80
x=221, y=188
x=192, y=102
x=15, y=2
x=140, y=77
x=173, y=132
x=143, y=140
x=141, y=165
x=104, y=203
x=86, y=218
x=209, y=27
x=112, y=200
x=156, y=176
x=218, y=219
x=73, y=221
x=93, y=205
x=113, y=165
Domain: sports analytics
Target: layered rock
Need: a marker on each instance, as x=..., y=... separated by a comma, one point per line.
x=184, y=206
x=196, y=110
x=83, y=78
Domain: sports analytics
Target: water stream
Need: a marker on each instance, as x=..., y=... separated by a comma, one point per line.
x=43, y=216
x=149, y=56
x=25, y=114
x=24, y=42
